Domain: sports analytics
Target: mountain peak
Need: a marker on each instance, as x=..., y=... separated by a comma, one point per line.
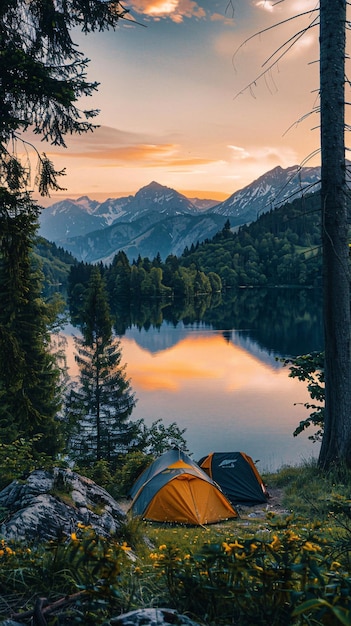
x=160, y=219
x=153, y=186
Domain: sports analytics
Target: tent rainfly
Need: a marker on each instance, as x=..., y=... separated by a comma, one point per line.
x=237, y=475
x=174, y=489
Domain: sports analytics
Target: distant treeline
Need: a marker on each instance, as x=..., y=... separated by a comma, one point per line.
x=142, y=279
x=281, y=248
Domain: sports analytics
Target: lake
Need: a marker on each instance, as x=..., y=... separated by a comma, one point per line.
x=221, y=379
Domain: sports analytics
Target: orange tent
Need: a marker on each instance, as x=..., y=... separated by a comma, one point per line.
x=175, y=489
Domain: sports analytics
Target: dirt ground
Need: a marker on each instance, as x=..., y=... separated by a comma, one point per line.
x=259, y=511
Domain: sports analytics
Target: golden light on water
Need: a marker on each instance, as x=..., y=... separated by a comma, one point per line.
x=226, y=397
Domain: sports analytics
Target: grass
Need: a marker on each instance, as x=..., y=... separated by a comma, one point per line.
x=309, y=492
x=292, y=568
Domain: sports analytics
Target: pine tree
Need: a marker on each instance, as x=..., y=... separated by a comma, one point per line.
x=101, y=405
x=42, y=79
x=331, y=16
x=29, y=377
x=336, y=443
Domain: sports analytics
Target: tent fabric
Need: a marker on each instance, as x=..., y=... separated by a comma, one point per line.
x=175, y=489
x=237, y=475
x=161, y=463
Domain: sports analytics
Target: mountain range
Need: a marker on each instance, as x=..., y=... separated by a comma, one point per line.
x=158, y=219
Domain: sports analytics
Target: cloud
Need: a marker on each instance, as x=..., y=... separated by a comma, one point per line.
x=176, y=10
x=218, y=17
x=266, y=5
x=110, y=147
x=239, y=153
x=142, y=155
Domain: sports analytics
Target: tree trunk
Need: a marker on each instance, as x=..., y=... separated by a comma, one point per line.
x=336, y=445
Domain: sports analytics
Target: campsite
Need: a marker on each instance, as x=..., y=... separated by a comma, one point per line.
x=265, y=566
x=174, y=488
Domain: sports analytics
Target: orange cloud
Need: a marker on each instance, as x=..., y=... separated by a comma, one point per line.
x=126, y=153
x=143, y=155
x=266, y=5
x=176, y=10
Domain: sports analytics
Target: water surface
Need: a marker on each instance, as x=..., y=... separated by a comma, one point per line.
x=221, y=377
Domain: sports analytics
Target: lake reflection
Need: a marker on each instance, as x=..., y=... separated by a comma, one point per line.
x=224, y=395
x=226, y=386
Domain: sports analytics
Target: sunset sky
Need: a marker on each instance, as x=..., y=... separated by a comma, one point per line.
x=170, y=109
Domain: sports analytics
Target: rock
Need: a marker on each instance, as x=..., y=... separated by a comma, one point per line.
x=49, y=504
x=152, y=617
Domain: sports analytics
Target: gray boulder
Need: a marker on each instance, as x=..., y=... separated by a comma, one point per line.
x=49, y=504
x=152, y=617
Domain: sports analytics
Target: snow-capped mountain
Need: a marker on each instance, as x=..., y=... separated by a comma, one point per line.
x=271, y=190
x=159, y=219
x=71, y=218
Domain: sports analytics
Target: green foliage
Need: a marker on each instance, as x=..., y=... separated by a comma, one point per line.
x=131, y=465
x=29, y=373
x=246, y=580
x=42, y=77
x=158, y=438
x=99, y=472
x=18, y=459
x=90, y=575
x=55, y=264
x=325, y=489
x=99, y=407
x=139, y=282
x=310, y=368
x=282, y=247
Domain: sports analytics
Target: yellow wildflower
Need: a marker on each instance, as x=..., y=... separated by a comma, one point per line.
x=74, y=537
x=311, y=547
x=292, y=536
x=125, y=546
x=335, y=565
x=275, y=544
x=258, y=568
x=163, y=547
x=229, y=548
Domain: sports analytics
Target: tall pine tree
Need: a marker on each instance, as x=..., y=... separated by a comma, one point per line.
x=29, y=377
x=101, y=405
x=42, y=80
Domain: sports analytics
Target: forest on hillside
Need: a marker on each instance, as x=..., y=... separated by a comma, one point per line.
x=282, y=247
